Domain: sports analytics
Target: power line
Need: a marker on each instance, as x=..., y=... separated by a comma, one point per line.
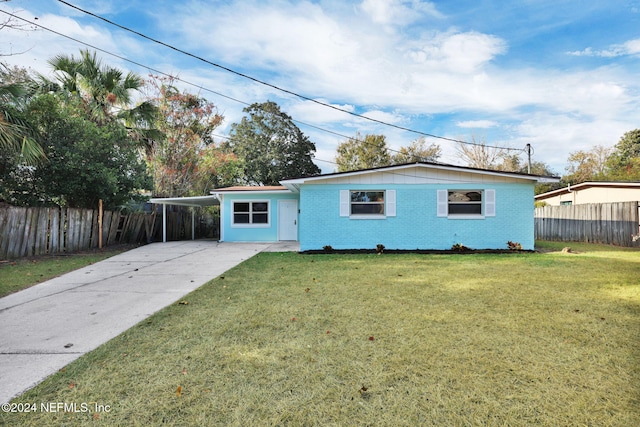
x=212, y=91
x=262, y=82
x=189, y=83
x=412, y=176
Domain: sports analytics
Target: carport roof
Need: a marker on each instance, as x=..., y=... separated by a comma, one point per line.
x=196, y=201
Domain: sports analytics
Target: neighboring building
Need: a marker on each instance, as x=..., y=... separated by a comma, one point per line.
x=406, y=207
x=592, y=192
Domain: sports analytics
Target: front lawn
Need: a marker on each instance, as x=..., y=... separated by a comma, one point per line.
x=548, y=339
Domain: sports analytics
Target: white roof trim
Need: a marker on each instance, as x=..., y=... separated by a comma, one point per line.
x=195, y=201
x=294, y=184
x=253, y=192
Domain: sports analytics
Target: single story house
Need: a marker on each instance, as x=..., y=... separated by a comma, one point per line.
x=592, y=192
x=417, y=206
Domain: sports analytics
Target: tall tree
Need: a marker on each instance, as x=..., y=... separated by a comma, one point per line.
x=271, y=146
x=588, y=165
x=624, y=162
x=85, y=162
x=480, y=155
x=360, y=152
x=186, y=161
x=106, y=93
x=511, y=163
x=17, y=140
x=418, y=151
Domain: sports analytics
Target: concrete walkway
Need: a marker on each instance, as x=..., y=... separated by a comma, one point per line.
x=47, y=326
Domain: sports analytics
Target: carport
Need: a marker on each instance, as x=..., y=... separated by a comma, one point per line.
x=195, y=201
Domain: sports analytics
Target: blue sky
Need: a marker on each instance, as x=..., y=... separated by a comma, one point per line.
x=560, y=75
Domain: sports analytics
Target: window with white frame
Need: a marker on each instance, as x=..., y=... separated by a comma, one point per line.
x=248, y=213
x=367, y=202
x=466, y=203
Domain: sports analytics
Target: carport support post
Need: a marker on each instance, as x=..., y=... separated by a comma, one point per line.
x=193, y=223
x=164, y=223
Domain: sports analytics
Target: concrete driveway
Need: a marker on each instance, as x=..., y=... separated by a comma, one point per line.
x=47, y=326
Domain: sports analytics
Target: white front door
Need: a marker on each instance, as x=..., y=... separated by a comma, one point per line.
x=287, y=220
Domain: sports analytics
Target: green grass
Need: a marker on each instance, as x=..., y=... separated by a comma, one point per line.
x=546, y=339
x=20, y=274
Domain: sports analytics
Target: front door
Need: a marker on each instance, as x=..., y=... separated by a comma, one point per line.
x=287, y=220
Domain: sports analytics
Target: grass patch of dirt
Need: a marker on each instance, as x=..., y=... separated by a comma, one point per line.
x=393, y=340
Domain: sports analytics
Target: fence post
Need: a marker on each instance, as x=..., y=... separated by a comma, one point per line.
x=100, y=224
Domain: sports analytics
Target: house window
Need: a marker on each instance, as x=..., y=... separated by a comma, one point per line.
x=465, y=202
x=567, y=203
x=251, y=213
x=367, y=202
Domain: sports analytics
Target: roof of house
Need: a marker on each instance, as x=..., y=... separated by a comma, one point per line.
x=246, y=188
x=585, y=185
x=294, y=183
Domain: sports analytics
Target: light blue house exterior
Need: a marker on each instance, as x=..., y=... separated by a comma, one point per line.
x=418, y=206
x=258, y=214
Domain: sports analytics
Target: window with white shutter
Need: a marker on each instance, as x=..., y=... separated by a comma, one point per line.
x=367, y=204
x=465, y=204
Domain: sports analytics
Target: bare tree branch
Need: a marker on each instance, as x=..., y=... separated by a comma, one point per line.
x=480, y=155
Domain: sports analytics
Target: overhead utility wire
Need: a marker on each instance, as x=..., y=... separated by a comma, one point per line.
x=195, y=85
x=306, y=98
x=115, y=55
x=182, y=80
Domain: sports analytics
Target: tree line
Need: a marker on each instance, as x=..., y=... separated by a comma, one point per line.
x=95, y=132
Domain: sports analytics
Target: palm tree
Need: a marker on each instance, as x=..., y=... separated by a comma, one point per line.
x=16, y=138
x=106, y=93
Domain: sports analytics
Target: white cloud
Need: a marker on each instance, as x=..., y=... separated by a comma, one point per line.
x=33, y=49
x=398, y=12
x=460, y=53
x=384, y=116
x=631, y=47
x=554, y=136
x=477, y=124
x=318, y=114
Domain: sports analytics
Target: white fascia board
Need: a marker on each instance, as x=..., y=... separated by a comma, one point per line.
x=536, y=178
x=252, y=192
x=195, y=201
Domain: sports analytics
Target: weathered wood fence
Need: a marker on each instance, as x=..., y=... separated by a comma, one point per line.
x=609, y=223
x=39, y=230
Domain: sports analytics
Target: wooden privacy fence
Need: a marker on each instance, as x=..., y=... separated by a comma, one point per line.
x=609, y=223
x=41, y=230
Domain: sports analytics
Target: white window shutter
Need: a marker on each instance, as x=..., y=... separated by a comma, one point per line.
x=489, y=202
x=391, y=202
x=443, y=202
x=344, y=202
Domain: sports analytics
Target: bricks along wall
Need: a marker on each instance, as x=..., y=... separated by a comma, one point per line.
x=416, y=224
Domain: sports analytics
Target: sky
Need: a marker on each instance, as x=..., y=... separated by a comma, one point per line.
x=560, y=75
